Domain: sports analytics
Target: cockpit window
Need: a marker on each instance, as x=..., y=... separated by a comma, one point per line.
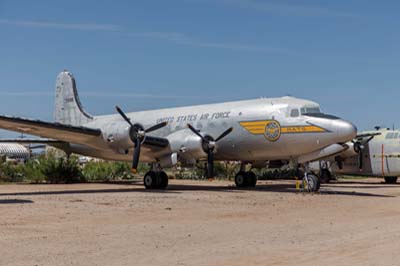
x=294, y=113
x=310, y=110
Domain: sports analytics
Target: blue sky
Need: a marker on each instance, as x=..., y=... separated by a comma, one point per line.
x=150, y=54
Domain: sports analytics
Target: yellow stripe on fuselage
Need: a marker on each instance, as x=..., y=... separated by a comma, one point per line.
x=302, y=129
x=255, y=127
x=258, y=127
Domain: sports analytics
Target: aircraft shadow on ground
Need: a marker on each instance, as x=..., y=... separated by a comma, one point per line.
x=280, y=188
x=15, y=201
x=178, y=188
x=361, y=185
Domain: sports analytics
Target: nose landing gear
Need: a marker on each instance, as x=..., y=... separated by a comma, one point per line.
x=311, y=182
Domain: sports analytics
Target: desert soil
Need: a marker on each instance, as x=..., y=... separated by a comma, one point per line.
x=350, y=222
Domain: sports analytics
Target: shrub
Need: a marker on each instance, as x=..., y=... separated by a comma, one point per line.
x=106, y=171
x=11, y=172
x=61, y=170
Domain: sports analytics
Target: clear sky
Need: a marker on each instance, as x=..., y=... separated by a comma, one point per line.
x=150, y=54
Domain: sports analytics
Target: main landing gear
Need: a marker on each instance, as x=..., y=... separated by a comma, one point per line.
x=155, y=179
x=245, y=178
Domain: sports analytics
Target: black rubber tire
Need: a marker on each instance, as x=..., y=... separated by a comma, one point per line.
x=150, y=180
x=163, y=180
x=313, y=182
x=241, y=179
x=325, y=176
x=251, y=179
x=390, y=179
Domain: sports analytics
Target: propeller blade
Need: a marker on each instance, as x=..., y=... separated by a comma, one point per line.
x=123, y=115
x=155, y=127
x=197, y=133
x=136, y=155
x=210, y=164
x=224, y=134
x=360, y=160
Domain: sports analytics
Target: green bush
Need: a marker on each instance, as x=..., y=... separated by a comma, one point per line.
x=61, y=170
x=11, y=172
x=106, y=171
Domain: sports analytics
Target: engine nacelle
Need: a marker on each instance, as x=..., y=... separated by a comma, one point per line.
x=350, y=152
x=116, y=134
x=187, y=145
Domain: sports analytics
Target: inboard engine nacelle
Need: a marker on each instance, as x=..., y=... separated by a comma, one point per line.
x=118, y=137
x=188, y=146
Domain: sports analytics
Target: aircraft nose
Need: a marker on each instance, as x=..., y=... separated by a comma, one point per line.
x=346, y=131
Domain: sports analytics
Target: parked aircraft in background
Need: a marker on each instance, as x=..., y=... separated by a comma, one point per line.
x=14, y=151
x=258, y=133
x=373, y=153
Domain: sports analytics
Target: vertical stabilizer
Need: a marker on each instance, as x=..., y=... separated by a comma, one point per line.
x=68, y=108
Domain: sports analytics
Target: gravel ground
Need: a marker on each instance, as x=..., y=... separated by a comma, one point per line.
x=350, y=222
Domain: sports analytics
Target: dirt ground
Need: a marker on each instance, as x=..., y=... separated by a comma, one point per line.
x=350, y=222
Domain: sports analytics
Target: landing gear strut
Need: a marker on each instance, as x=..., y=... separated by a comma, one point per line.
x=324, y=174
x=155, y=179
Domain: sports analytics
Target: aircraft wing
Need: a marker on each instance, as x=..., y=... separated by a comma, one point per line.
x=56, y=131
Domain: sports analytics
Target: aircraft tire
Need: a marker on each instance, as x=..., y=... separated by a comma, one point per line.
x=163, y=180
x=251, y=179
x=150, y=180
x=314, y=183
x=390, y=179
x=241, y=179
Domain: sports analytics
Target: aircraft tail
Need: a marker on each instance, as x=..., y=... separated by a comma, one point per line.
x=68, y=108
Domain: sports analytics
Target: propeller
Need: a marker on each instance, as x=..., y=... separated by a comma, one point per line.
x=359, y=146
x=209, y=144
x=137, y=134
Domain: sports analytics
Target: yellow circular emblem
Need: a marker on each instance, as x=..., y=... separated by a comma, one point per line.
x=272, y=130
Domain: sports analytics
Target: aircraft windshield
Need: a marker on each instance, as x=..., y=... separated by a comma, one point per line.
x=310, y=110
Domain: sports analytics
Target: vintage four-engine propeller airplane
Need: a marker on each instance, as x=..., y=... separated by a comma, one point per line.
x=252, y=132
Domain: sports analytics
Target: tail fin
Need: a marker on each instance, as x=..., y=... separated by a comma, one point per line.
x=68, y=108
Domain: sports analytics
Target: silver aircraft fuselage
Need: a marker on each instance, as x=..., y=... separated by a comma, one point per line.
x=263, y=129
